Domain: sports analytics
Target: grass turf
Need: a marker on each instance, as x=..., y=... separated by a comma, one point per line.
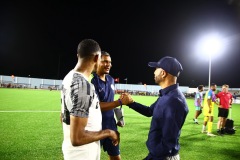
x=30, y=129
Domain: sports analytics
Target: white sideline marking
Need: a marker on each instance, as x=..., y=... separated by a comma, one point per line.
x=29, y=111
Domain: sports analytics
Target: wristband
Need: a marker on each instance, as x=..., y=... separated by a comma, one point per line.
x=120, y=102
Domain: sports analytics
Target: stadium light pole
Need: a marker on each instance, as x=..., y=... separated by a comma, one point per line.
x=209, y=72
x=210, y=45
x=29, y=81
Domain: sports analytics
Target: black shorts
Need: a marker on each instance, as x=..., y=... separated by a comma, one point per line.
x=222, y=112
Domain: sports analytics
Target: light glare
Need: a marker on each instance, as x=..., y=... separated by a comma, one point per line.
x=210, y=45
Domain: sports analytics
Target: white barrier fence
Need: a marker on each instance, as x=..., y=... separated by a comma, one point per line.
x=29, y=82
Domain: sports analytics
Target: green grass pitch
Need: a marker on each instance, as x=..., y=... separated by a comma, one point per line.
x=30, y=128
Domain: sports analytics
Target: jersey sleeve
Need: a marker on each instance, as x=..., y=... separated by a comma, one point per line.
x=81, y=97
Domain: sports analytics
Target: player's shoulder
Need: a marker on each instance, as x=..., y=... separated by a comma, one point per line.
x=109, y=77
x=79, y=81
x=220, y=93
x=94, y=75
x=73, y=77
x=94, y=78
x=210, y=92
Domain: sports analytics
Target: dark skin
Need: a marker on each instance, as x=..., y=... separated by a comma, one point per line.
x=79, y=136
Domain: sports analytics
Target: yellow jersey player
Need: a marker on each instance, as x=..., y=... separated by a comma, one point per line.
x=208, y=109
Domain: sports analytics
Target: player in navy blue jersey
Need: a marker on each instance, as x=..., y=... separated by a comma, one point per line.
x=104, y=85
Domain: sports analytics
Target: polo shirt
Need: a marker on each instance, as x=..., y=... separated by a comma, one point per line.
x=105, y=91
x=225, y=98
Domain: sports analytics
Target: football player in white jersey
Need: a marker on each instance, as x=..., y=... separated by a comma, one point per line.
x=80, y=114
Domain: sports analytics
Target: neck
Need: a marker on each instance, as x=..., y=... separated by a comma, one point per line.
x=168, y=82
x=165, y=85
x=84, y=68
x=102, y=76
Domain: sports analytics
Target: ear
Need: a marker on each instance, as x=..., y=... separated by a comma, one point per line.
x=164, y=74
x=96, y=57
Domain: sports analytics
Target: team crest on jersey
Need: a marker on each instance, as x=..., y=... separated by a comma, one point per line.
x=112, y=86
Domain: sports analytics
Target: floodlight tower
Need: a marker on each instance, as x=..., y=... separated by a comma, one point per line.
x=210, y=45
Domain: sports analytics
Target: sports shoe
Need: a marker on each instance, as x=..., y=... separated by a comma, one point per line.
x=211, y=135
x=219, y=133
x=196, y=122
x=222, y=131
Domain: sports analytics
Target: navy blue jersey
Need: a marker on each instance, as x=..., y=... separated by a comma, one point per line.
x=168, y=115
x=105, y=91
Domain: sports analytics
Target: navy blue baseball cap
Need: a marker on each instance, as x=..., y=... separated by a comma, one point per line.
x=169, y=64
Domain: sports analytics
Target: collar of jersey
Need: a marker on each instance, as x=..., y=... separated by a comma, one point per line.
x=81, y=74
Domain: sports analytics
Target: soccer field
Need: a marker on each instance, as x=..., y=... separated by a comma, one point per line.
x=30, y=129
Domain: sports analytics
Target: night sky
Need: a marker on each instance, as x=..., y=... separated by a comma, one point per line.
x=39, y=39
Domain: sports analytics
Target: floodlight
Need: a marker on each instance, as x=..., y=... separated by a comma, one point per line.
x=210, y=45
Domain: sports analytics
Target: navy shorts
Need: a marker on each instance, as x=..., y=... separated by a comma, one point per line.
x=109, y=147
x=222, y=112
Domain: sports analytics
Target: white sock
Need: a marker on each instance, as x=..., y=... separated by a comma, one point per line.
x=203, y=128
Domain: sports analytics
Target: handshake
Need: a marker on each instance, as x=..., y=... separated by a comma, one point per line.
x=126, y=99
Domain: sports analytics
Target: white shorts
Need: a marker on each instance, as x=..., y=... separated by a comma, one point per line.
x=89, y=151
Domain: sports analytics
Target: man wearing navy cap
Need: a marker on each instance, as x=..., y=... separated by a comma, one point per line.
x=168, y=112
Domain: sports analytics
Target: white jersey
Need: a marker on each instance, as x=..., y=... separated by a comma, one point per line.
x=79, y=99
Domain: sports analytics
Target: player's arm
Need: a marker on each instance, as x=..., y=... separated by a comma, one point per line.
x=218, y=96
x=121, y=101
x=79, y=136
x=231, y=100
x=142, y=109
x=127, y=99
x=198, y=99
x=217, y=102
x=110, y=105
x=199, y=102
x=230, y=103
x=209, y=104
